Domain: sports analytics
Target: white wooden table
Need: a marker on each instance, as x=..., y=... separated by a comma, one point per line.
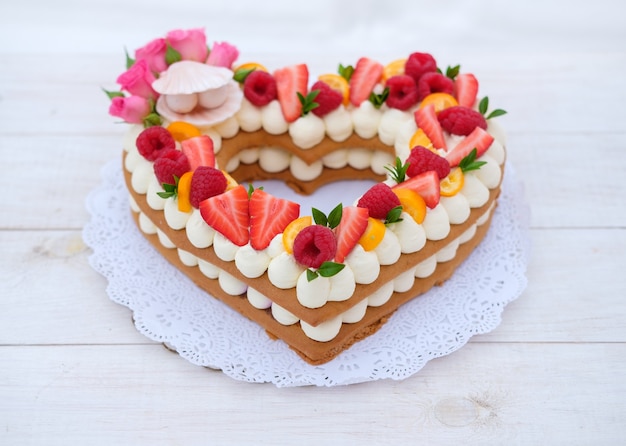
x=73, y=369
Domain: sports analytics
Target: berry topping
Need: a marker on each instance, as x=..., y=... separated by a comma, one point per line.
x=259, y=88
x=170, y=164
x=379, y=200
x=422, y=160
x=461, y=120
x=269, y=216
x=205, y=183
x=402, y=92
x=426, y=185
x=314, y=245
x=426, y=119
x=293, y=229
x=338, y=83
x=227, y=213
x=352, y=226
x=290, y=81
x=479, y=139
x=434, y=83
x=365, y=76
x=466, y=89
x=419, y=64
x=154, y=141
x=199, y=151
x=327, y=99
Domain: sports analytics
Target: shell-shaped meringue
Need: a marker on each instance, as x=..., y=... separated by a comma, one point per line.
x=187, y=77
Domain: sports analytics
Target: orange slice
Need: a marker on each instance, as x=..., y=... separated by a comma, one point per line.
x=339, y=83
x=293, y=229
x=412, y=203
x=453, y=183
x=441, y=101
x=373, y=235
x=181, y=130
x=251, y=66
x=231, y=183
x=184, y=187
x=394, y=68
x=419, y=138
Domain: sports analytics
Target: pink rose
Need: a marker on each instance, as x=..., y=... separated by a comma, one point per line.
x=131, y=109
x=154, y=55
x=223, y=54
x=191, y=44
x=138, y=80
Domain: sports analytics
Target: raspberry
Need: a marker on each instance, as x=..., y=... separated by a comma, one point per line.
x=418, y=64
x=327, y=99
x=154, y=141
x=206, y=182
x=314, y=245
x=402, y=92
x=172, y=162
x=422, y=160
x=259, y=88
x=434, y=83
x=379, y=200
x=461, y=120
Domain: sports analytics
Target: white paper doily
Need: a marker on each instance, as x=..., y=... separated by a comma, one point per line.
x=169, y=308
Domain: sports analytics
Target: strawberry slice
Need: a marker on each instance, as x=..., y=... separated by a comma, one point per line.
x=352, y=226
x=426, y=119
x=426, y=185
x=365, y=76
x=479, y=139
x=466, y=89
x=269, y=216
x=227, y=213
x=199, y=151
x=290, y=81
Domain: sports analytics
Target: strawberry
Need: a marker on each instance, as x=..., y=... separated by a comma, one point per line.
x=199, y=151
x=290, y=81
x=466, y=89
x=259, y=88
x=314, y=245
x=461, y=120
x=154, y=142
x=269, y=216
x=379, y=200
x=170, y=164
x=419, y=64
x=365, y=76
x=206, y=182
x=422, y=160
x=426, y=185
x=353, y=224
x=434, y=83
x=479, y=139
x=426, y=119
x=402, y=92
x=327, y=99
x=227, y=213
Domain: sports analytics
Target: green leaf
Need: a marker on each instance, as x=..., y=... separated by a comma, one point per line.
x=379, y=99
x=397, y=172
x=346, y=72
x=497, y=112
x=129, y=60
x=251, y=189
x=311, y=275
x=334, y=218
x=483, y=105
x=170, y=190
x=171, y=55
x=452, y=72
x=152, y=120
x=308, y=101
x=113, y=94
x=469, y=162
x=241, y=75
x=329, y=269
x=393, y=216
x=319, y=217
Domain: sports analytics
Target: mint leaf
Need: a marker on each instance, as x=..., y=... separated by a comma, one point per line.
x=379, y=99
x=346, y=72
x=497, y=112
x=334, y=218
x=397, y=172
x=329, y=269
x=319, y=217
x=311, y=275
x=170, y=190
x=468, y=163
x=393, y=216
x=452, y=72
x=151, y=120
x=241, y=75
x=483, y=105
x=308, y=101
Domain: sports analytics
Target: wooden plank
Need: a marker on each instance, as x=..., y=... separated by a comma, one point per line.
x=484, y=393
